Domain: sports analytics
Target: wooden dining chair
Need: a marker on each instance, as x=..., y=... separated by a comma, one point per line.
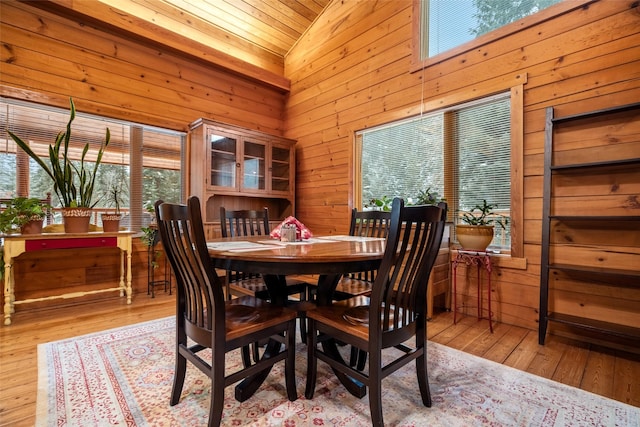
x=235, y=223
x=363, y=224
x=391, y=316
x=206, y=320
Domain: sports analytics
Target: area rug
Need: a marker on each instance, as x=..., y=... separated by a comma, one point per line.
x=123, y=377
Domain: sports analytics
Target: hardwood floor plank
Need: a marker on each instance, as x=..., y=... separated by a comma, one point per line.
x=570, y=368
x=449, y=334
x=547, y=358
x=626, y=381
x=485, y=339
x=598, y=374
x=503, y=347
x=521, y=356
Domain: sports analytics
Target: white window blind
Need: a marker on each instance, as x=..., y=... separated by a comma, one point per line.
x=402, y=159
x=481, y=153
x=463, y=153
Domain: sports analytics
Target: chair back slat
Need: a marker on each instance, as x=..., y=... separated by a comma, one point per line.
x=244, y=222
x=240, y=223
x=368, y=224
x=200, y=299
x=399, y=292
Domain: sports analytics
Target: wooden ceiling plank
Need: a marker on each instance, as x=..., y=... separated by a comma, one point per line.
x=268, y=24
x=278, y=13
x=233, y=23
x=308, y=10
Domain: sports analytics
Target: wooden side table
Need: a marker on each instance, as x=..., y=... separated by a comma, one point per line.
x=17, y=244
x=480, y=260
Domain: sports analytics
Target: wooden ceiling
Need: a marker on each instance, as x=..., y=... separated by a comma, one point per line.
x=272, y=25
x=248, y=37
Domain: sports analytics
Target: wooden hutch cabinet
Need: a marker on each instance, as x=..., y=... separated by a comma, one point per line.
x=240, y=169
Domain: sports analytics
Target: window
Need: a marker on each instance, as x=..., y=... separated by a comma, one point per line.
x=146, y=162
x=463, y=153
x=446, y=24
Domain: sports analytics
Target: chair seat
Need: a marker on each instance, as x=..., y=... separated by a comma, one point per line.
x=250, y=286
x=353, y=287
x=247, y=314
x=336, y=314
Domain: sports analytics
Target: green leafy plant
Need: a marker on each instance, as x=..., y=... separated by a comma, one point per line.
x=484, y=215
x=424, y=197
x=72, y=184
x=150, y=238
x=429, y=197
x=20, y=211
x=382, y=204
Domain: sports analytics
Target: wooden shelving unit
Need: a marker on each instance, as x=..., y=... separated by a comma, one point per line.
x=591, y=218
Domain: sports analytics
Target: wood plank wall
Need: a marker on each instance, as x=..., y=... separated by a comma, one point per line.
x=351, y=71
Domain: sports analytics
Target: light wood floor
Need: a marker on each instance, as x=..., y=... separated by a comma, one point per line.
x=605, y=372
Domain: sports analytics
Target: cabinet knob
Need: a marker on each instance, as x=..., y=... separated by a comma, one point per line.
x=237, y=165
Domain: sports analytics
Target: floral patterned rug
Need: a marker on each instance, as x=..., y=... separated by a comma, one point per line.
x=123, y=377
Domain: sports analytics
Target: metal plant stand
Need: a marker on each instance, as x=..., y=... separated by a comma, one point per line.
x=152, y=282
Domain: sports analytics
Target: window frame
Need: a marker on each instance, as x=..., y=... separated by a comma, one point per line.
x=516, y=168
x=417, y=48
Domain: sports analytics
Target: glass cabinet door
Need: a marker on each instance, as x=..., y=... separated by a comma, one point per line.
x=223, y=161
x=280, y=168
x=253, y=175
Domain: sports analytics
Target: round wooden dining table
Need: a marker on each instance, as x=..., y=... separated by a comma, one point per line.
x=329, y=257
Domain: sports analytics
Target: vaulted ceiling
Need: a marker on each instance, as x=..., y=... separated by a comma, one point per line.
x=249, y=37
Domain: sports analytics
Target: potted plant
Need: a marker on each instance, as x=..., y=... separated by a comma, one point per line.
x=427, y=197
x=111, y=221
x=477, y=231
x=72, y=183
x=151, y=237
x=382, y=204
x=424, y=197
x=23, y=214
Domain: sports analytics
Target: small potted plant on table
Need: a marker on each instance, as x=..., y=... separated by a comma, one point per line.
x=23, y=214
x=477, y=231
x=111, y=221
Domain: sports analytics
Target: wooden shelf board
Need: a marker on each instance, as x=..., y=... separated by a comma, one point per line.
x=595, y=217
x=596, y=113
x=596, y=325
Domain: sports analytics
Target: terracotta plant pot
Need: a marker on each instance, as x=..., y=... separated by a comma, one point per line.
x=32, y=227
x=110, y=222
x=474, y=237
x=76, y=220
